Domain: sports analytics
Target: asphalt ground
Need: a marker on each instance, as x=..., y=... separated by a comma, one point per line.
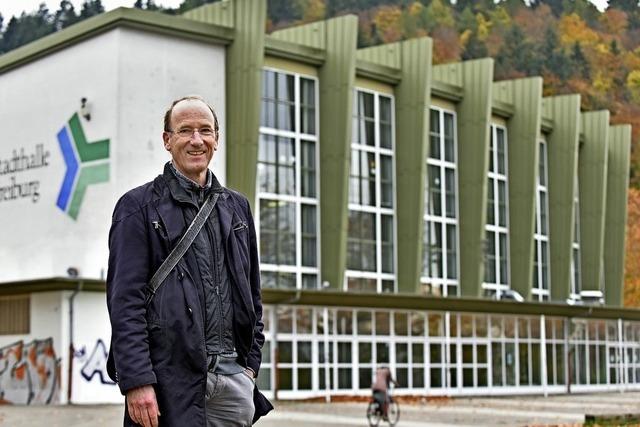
x=519, y=411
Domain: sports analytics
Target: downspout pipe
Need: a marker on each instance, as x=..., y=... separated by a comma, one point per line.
x=71, y=346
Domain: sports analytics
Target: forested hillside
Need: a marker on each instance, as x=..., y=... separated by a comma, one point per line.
x=576, y=48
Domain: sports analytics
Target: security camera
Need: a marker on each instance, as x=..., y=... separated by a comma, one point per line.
x=73, y=272
x=85, y=108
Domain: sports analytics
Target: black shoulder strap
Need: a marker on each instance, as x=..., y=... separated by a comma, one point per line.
x=181, y=248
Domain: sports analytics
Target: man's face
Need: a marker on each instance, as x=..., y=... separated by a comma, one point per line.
x=191, y=151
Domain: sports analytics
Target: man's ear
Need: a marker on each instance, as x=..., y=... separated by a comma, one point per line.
x=166, y=136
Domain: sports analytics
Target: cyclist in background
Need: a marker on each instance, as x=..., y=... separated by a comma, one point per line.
x=380, y=388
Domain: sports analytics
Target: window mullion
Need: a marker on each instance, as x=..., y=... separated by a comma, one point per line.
x=376, y=139
x=297, y=181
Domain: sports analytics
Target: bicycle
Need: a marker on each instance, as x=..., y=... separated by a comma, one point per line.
x=374, y=412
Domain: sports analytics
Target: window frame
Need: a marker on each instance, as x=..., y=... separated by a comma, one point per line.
x=444, y=282
x=496, y=288
x=378, y=275
x=297, y=136
x=542, y=239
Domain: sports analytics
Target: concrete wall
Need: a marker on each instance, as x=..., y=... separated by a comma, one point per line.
x=129, y=77
x=31, y=368
x=34, y=367
x=91, y=340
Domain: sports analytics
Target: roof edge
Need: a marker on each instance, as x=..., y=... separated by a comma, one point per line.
x=120, y=17
x=52, y=284
x=420, y=302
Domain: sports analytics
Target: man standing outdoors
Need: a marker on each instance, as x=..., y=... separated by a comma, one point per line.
x=188, y=353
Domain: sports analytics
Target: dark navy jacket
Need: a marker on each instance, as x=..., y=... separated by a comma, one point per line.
x=164, y=344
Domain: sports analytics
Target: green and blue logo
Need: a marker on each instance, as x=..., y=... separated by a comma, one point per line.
x=87, y=163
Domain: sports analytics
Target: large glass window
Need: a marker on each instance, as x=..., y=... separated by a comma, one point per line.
x=336, y=350
x=496, y=271
x=540, y=288
x=287, y=181
x=371, y=237
x=440, y=238
x=576, y=280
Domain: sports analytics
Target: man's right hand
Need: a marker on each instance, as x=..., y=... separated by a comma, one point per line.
x=143, y=406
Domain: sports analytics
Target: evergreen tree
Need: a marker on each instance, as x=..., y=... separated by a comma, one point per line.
x=284, y=10
x=466, y=21
x=191, y=4
x=629, y=6
x=151, y=5
x=65, y=15
x=553, y=60
x=91, y=8
x=584, y=9
x=27, y=28
x=557, y=6
x=138, y=4
x=474, y=48
x=613, y=47
x=461, y=5
x=579, y=61
x=1, y=35
x=516, y=54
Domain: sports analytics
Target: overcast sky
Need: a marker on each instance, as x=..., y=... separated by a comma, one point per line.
x=8, y=8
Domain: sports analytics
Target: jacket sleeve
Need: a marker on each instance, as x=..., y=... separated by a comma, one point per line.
x=127, y=278
x=255, y=355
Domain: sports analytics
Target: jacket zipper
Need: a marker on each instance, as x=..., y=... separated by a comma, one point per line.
x=216, y=277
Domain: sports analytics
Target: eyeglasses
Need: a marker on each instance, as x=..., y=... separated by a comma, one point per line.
x=188, y=132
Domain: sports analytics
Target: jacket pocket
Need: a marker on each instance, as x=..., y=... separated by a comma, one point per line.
x=240, y=226
x=158, y=342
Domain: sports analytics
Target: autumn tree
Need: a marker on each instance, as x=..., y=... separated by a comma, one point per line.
x=415, y=20
x=388, y=23
x=614, y=21
x=633, y=85
x=632, y=255
x=573, y=29
x=439, y=14
x=534, y=22
x=314, y=10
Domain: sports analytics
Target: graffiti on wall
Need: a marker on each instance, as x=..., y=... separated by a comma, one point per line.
x=94, y=364
x=29, y=373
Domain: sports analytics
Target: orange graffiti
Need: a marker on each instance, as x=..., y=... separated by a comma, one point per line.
x=20, y=371
x=29, y=373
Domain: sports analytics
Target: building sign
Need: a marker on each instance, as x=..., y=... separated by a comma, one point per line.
x=87, y=163
x=15, y=183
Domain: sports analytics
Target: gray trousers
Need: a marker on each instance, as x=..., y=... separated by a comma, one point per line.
x=229, y=400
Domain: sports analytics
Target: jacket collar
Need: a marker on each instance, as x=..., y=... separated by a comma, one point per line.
x=182, y=188
x=187, y=182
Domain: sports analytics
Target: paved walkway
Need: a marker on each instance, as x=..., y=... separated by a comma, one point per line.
x=521, y=411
